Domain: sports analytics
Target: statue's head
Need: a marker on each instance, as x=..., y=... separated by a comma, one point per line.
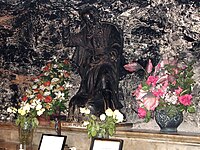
x=89, y=14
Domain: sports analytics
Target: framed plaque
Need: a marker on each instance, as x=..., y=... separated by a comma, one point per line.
x=52, y=142
x=106, y=144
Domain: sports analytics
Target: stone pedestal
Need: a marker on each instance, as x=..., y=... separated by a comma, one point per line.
x=133, y=139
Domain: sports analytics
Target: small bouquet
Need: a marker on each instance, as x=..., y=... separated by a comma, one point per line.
x=168, y=85
x=104, y=125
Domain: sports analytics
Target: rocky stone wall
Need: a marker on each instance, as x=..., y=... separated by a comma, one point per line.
x=33, y=32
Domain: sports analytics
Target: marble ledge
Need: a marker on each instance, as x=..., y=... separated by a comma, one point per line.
x=124, y=131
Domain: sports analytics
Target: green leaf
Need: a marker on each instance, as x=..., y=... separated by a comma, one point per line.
x=191, y=109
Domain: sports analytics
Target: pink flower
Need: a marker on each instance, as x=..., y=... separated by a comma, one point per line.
x=149, y=66
x=185, y=99
x=157, y=68
x=131, y=67
x=152, y=80
x=158, y=93
x=142, y=112
x=139, y=94
x=150, y=101
x=178, y=91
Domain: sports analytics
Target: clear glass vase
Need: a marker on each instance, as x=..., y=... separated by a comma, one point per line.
x=26, y=135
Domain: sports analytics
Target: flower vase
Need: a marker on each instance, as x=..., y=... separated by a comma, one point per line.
x=44, y=120
x=26, y=134
x=168, y=119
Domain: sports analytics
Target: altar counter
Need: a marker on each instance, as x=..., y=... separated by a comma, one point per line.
x=133, y=139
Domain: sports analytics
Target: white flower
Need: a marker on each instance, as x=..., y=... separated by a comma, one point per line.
x=84, y=110
x=31, y=96
x=46, y=93
x=171, y=98
x=87, y=111
x=33, y=104
x=85, y=123
x=27, y=107
x=119, y=116
x=67, y=85
x=28, y=91
x=55, y=66
x=102, y=117
x=59, y=95
x=46, y=73
x=38, y=107
x=36, y=80
x=11, y=110
x=40, y=112
x=109, y=112
x=34, y=87
x=42, y=87
x=55, y=80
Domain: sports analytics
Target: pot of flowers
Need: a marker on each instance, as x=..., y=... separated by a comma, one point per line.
x=48, y=92
x=165, y=92
x=101, y=126
x=51, y=89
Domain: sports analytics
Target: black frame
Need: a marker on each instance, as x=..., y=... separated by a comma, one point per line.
x=52, y=135
x=104, y=140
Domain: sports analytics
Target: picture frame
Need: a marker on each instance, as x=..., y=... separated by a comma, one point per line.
x=106, y=144
x=52, y=142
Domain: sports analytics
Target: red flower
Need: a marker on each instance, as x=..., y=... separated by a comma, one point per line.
x=48, y=99
x=46, y=68
x=47, y=83
x=40, y=96
x=24, y=98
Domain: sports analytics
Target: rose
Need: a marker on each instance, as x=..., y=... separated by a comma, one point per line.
x=185, y=99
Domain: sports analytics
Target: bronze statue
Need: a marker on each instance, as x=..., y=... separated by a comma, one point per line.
x=98, y=55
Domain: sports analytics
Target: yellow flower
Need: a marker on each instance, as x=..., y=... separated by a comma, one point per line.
x=21, y=112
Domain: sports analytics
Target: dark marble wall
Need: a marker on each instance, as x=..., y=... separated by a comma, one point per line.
x=32, y=32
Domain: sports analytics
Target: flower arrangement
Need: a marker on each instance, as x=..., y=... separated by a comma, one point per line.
x=168, y=85
x=102, y=126
x=47, y=94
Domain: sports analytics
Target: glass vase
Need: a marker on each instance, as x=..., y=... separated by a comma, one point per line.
x=26, y=135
